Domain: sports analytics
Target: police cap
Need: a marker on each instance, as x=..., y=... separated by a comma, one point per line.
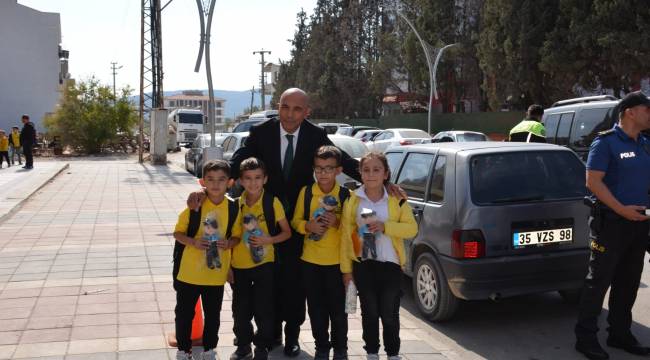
x=633, y=99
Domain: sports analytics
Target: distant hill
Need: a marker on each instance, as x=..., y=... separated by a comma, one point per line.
x=236, y=101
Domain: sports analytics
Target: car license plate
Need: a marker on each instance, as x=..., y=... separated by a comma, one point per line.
x=542, y=237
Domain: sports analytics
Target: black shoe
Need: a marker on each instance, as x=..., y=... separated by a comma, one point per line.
x=242, y=353
x=292, y=350
x=633, y=347
x=261, y=353
x=321, y=355
x=592, y=350
x=275, y=343
x=340, y=355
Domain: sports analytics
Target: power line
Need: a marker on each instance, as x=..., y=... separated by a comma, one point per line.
x=262, y=79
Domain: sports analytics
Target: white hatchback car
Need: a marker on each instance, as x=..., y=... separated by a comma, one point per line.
x=397, y=137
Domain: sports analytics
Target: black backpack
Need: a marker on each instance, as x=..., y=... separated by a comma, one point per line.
x=344, y=194
x=193, y=227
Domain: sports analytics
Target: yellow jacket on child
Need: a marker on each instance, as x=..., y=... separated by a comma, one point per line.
x=400, y=224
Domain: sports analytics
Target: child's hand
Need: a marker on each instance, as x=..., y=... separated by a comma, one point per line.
x=329, y=219
x=195, y=199
x=316, y=227
x=260, y=240
x=346, y=279
x=376, y=226
x=201, y=244
x=231, y=277
x=223, y=244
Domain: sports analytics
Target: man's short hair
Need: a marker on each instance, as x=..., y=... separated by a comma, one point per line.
x=251, y=163
x=329, y=152
x=535, y=111
x=216, y=165
x=15, y=127
x=25, y=116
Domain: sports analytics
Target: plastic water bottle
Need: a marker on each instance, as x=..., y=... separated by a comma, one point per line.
x=351, y=298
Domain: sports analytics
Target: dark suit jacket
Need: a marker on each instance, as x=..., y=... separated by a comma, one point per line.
x=264, y=143
x=28, y=135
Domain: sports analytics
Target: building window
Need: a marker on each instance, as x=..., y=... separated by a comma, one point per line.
x=172, y=103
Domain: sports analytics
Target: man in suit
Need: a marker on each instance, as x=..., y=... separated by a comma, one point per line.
x=287, y=146
x=28, y=140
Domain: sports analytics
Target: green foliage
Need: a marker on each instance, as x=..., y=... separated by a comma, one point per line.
x=89, y=117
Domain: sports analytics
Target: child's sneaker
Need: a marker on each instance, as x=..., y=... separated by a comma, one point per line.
x=182, y=355
x=209, y=355
x=372, y=356
x=340, y=355
x=242, y=353
x=261, y=353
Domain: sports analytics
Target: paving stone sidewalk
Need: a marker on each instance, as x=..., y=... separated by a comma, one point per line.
x=85, y=270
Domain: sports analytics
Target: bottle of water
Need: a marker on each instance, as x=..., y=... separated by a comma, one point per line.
x=351, y=298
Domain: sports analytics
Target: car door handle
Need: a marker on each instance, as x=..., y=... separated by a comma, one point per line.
x=417, y=212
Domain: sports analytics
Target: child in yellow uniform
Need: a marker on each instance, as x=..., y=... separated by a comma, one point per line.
x=252, y=261
x=198, y=276
x=4, y=148
x=374, y=226
x=319, y=221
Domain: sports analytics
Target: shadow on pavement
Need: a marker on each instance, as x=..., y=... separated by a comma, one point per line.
x=538, y=326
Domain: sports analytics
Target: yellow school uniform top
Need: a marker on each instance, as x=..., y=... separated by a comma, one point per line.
x=399, y=226
x=15, y=137
x=241, y=255
x=4, y=143
x=325, y=251
x=194, y=269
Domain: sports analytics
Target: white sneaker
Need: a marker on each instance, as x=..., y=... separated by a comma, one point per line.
x=209, y=355
x=372, y=356
x=182, y=355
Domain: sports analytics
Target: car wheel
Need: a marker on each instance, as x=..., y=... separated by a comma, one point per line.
x=431, y=291
x=187, y=168
x=571, y=296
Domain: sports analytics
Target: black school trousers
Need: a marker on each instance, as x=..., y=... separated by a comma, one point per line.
x=252, y=298
x=186, y=297
x=379, y=287
x=326, y=304
x=617, y=251
x=290, y=304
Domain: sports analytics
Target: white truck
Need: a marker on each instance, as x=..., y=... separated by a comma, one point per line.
x=187, y=125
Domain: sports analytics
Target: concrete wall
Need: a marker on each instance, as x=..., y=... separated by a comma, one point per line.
x=29, y=63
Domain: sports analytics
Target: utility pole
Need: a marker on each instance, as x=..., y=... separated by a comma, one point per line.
x=115, y=68
x=252, y=97
x=262, y=79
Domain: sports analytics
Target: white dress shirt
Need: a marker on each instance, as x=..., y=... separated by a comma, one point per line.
x=284, y=143
x=385, y=249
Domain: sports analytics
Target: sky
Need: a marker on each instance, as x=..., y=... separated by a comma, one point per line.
x=98, y=32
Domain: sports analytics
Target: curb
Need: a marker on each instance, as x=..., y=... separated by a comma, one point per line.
x=20, y=203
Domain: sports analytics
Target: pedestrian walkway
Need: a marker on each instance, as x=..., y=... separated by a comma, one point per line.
x=85, y=270
x=17, y=184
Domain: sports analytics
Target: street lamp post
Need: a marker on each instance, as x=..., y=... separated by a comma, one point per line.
x=213, y=151
x=432, y=55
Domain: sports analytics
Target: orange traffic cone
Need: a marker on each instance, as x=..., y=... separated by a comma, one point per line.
x=197, y=322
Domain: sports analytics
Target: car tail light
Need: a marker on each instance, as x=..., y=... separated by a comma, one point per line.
x=467, y=244
x=406, y=142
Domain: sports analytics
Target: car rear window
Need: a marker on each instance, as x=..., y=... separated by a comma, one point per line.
x=246, y=126
x=413, y=134
x=471, y=137
x=354, y=148
x=520, y=177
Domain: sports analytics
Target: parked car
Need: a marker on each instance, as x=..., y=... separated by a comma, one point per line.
x=397, y=137
x=459, y=136
x=232, y=143
x=495, y=220
x=194, y=156
x=366, y=135
x=332, y=128
x=353, y=130
x=574, y=123
x=254, y=119
x=353, y=147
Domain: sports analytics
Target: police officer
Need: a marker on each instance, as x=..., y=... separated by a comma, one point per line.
x=618, y=174
x=531, y=128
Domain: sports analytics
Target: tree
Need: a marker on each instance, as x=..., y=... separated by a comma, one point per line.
x=89, y=117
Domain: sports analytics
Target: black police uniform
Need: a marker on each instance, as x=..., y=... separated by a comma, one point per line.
x=617, y=245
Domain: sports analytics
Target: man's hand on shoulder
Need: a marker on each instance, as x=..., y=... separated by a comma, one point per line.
x=195, y=200
x=395, y=190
